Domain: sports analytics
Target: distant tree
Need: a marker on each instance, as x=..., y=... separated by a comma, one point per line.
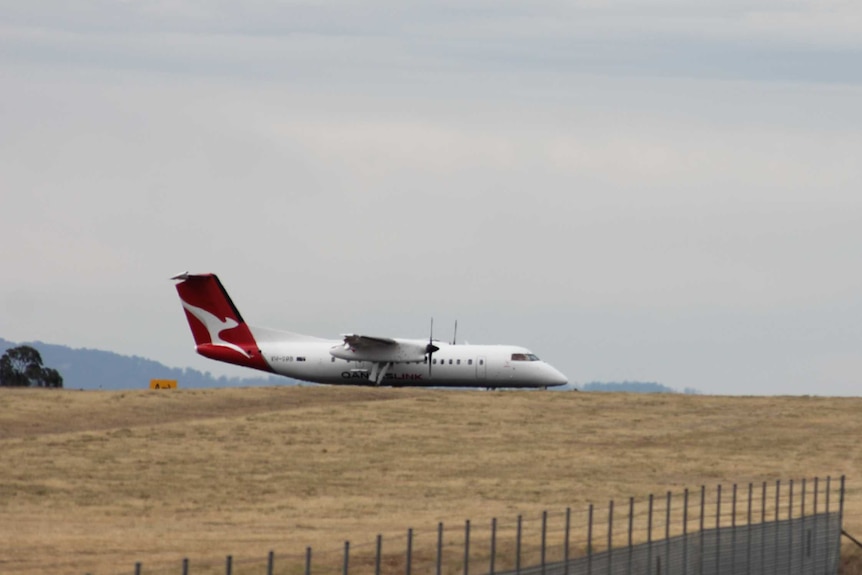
x=8, y=376
x=22, y=367
x=18, y=364
x=50, y=377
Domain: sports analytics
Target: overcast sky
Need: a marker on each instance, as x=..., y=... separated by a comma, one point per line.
x=654, y=190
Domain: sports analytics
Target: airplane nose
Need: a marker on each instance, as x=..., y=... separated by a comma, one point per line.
x=554, y=377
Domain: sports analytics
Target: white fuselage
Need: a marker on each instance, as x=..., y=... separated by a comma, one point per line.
x=451, y=366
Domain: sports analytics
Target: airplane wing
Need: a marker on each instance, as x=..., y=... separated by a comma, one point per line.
x=378, y=349
x=368, y=342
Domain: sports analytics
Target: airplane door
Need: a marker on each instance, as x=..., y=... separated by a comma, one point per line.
x=481, y=368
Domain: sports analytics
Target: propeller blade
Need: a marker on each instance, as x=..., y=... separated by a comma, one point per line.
x=430, y=348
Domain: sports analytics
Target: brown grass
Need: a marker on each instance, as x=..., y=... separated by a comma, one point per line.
x=94, y=481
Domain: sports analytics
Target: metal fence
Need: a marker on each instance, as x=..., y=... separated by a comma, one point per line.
x=765, y=529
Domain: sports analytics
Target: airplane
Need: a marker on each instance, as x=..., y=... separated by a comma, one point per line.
x=220, y=333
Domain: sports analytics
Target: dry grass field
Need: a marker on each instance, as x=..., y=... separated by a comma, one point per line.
x=91, y=482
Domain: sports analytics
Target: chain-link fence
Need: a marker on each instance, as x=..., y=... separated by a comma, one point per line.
x=765, y=529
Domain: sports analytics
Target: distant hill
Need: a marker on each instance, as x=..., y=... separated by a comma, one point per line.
x=96, y=369
x=635, y=387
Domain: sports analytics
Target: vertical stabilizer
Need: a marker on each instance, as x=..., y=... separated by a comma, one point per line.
x=217, y=326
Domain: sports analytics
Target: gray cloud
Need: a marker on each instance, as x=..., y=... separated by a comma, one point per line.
x=797, y=41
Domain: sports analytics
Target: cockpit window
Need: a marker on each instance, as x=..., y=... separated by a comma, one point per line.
x=524, y=357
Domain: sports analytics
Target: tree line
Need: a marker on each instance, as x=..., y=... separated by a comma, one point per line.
x=22, y=367
x=634, y=386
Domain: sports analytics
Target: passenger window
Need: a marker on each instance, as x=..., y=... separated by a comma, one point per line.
x=333, y=360
x=450, y=362
x=469, y=362
x=458, y=362
x=481, y=362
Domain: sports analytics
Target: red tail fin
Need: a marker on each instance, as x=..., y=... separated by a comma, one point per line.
x=217, y=326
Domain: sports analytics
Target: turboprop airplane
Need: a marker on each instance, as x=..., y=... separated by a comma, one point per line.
x=221, y=334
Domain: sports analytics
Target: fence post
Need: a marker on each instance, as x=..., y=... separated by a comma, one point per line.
x=518, y=547
x=377, y=554
x=718, y=529
x=568, y=537
x=840, y=518
x=590, y=541
x=733, y=532
x=805, y=543
x=345, y=567
x=308, y=561
x=544, y=538
x=748, y=531
x=828, y=514
x=630, y=535
x=816, y=521
x=667, y=531
x=467, y=547
x=702, y=520
x=685, y=532
x=790, y=528
x=229, y=565
x=270, y=563
x=439, y=548
x=777, y=526
x=409, y=566
x=763, y=528
x=185, y=566
x=493, y=544
x=649, y=532
x=610, y=536
x=138, y=568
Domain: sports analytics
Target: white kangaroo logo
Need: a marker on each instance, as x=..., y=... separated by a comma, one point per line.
x=215, y=326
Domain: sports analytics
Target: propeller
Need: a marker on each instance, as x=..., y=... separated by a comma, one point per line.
x=430, y=348
x=455, y=335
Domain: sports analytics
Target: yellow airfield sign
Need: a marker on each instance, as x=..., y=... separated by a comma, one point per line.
x=163, y=384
